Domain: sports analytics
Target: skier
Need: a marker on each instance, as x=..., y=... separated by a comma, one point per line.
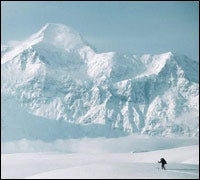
x=163, y=162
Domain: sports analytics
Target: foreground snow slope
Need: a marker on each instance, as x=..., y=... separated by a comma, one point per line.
x=56, y=75
x=182, y=163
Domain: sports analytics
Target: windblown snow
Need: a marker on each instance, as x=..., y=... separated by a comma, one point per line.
x=58, y=78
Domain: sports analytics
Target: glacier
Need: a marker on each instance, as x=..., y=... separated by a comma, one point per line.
x=55, y=77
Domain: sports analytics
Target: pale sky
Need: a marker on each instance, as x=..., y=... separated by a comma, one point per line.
x=124, y=26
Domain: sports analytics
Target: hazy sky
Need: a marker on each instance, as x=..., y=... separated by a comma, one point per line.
x=137, y=27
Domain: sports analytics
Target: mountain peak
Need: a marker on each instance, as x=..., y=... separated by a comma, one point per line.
x=56, y=28
x=59, y=35
x=50, y=37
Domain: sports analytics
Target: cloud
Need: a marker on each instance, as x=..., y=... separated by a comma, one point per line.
x=96, y=145
x=13, y=43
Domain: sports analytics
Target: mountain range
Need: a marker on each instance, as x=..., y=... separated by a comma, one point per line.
x=57, y=76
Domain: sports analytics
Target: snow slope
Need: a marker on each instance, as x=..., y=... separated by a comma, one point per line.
x=56, y=75
x=182, y=163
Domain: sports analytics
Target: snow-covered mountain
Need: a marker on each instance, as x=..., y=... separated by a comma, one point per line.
x=55, y=74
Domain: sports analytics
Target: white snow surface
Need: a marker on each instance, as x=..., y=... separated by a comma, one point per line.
x=121, y=158
x=56, y=75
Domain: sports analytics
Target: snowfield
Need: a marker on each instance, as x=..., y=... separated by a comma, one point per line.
x=103, y=158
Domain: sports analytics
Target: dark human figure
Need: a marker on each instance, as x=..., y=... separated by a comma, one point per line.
x=163, y=162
